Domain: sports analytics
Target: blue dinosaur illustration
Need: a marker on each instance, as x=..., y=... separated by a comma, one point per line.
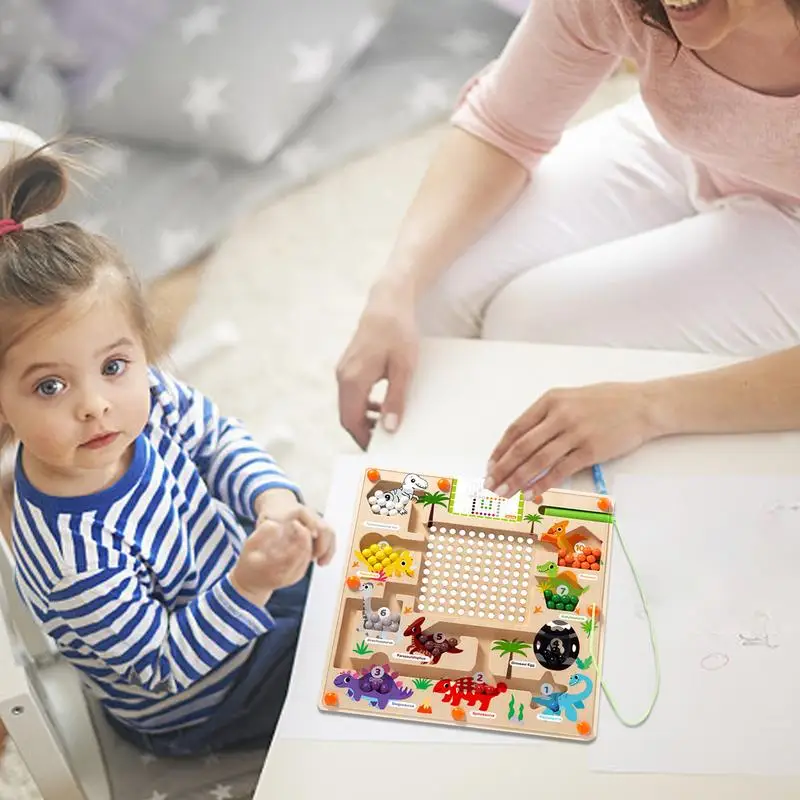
x=566, y=702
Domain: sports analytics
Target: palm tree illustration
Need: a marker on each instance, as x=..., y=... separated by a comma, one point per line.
x=533, y=519
x=432, y=500
x=510, y=648
x=423, y=684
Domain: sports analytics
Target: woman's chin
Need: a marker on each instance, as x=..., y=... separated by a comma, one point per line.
x=701, y=25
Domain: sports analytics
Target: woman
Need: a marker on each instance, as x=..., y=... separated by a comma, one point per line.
x=671, y=222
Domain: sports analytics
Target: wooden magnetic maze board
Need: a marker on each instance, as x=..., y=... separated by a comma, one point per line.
x=460, y=607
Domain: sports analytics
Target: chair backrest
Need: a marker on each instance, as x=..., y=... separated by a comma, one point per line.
x=23, y=628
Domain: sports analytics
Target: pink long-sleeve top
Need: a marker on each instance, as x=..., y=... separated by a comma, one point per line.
x=739, y=141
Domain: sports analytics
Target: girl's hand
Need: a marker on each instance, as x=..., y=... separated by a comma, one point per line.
x=568, y=430
x=323, y=539
x=385, y=345
x=275, y=555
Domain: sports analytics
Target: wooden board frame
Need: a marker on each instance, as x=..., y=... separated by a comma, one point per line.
x=490, y=617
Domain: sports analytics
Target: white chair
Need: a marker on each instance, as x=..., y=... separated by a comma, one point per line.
x=42, y=704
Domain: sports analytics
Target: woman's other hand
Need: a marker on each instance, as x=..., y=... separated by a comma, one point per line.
x=568, y=430
x=385, y=345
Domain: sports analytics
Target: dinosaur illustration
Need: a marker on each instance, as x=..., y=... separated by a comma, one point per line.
x=564, y=702
x=396, y=501
x=430, y=643
x=557, y=535
x=472, y=690
x=380, y=621
x=378, y=684
x=384, y=558
x=559, y=584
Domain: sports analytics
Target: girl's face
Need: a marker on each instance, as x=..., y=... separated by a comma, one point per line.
x=703, y=24
x=74, y=389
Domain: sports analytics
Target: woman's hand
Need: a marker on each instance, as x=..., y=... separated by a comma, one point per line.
x=568, y=430
x=385, y=345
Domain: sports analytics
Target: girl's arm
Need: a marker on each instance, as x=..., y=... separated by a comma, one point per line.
x=236, y=468
x=757, y=395
x=109, y=611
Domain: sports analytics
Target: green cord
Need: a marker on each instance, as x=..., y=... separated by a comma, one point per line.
x=592, y=638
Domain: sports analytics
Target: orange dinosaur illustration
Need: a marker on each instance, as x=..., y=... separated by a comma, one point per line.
x=557, y=535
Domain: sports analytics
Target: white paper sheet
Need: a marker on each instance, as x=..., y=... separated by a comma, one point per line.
x=718, y=560
x=301, y=718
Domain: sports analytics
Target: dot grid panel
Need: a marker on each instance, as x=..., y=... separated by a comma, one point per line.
x=476, y=574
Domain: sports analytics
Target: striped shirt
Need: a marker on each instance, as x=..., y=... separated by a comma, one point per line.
x=132, y=582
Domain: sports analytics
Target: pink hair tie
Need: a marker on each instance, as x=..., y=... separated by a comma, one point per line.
x=9, y=226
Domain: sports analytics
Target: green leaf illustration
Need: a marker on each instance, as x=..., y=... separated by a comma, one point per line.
x=362, y=649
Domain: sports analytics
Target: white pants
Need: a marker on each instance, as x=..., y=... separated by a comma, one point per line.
x=608, y=246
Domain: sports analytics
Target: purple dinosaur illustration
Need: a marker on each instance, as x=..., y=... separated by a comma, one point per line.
x=378, y=684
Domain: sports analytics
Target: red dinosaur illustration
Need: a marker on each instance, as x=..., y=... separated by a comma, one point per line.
x=472, y=690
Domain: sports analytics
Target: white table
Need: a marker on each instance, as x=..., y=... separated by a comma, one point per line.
x=468, y=384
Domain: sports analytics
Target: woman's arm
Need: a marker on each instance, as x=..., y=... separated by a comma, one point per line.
x=760, y=394
x=468, y=185
x=567, y=430
x=510, y=117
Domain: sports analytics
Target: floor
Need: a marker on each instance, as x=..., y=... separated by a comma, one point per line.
x=260, y=324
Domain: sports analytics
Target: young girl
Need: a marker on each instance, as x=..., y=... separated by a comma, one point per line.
x=166, y=554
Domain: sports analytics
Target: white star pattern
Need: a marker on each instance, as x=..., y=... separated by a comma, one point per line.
x=110, y=160
x=312, y=64
x=298, y=161
x=204, y=100
x=222, y=792
x=429, y=95
x=203, y=22
x=364, y=32
x=157, y=796
x=148, y=758
x=466, y=42
x=174, y=245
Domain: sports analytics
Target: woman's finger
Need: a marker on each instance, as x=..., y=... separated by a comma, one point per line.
x=517, y=429
x=541, y=461
x=569, y=465
x=503, y=475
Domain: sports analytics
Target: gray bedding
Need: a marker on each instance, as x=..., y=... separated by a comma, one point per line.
x=203, y=110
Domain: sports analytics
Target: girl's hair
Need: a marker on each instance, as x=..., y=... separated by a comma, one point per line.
x=43, y=266
x=652, y=13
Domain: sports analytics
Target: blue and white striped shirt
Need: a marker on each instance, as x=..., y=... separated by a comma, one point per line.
x=132, y=582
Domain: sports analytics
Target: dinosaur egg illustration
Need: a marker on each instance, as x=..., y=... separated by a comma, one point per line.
x=556, y=646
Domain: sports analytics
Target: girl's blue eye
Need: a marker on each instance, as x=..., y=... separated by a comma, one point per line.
x=115, y=367
x=50, y=387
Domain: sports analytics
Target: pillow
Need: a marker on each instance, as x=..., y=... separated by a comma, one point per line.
x=29, y=35
x=106, y=32
x=233, y=79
